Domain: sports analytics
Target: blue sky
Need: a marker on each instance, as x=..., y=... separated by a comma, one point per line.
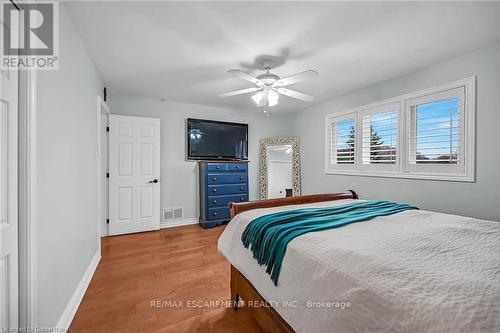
x=437, y=119
x=342, y=129
x=385, y=125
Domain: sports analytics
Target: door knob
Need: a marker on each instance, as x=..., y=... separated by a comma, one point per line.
x=153, y=181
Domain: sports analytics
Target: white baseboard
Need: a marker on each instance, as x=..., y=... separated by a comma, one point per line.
x=178, y=222
x=74, y=302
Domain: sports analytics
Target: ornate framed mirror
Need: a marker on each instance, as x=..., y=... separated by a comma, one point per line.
x=279, y=167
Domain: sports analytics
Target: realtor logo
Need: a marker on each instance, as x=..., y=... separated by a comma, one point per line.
x=30, y=35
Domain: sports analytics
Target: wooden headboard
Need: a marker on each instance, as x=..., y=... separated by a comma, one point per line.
x=237, y=208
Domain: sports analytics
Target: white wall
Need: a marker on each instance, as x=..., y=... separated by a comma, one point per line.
x=67, y=173
x=179, y=186
x=480, y=199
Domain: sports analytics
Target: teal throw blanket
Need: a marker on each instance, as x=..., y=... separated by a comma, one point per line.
x=269, y=235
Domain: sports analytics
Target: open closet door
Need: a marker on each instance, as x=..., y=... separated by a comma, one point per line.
x=134, y=174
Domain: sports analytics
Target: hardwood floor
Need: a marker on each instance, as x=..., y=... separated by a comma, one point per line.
x=176, y=264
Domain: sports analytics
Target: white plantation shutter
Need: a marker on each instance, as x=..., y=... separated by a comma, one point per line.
x=380, y=132
x=341, y=142
x=427, y=134
x=436, y=132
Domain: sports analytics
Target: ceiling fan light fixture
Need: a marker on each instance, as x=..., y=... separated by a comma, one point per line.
x=258, y=97
x=272, y=97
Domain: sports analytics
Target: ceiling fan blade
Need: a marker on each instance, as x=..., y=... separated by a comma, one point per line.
x=309, y=74
x=239, y=92
x=295, y=94
x=245, y=76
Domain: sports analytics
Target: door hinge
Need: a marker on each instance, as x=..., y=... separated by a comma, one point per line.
x=107, y=221
x=107, y=128
x=107, y=174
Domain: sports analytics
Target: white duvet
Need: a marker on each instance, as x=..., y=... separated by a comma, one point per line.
x=415, y=271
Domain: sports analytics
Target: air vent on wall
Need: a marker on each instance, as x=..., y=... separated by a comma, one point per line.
x=178, y=213
x=172, y=213
x=168, y=213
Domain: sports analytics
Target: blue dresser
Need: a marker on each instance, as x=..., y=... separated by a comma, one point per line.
x=220, y=184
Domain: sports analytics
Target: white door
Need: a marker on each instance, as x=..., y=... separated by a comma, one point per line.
x=8, y=200
x=134, y=174
x=103, y=167
x=9, y=293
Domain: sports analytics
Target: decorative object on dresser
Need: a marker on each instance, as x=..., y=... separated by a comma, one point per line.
x=279, y=167
x=220, y=184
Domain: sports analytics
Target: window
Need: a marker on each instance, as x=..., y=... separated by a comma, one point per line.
x=427, y=134
x=436, y=132
x=380, y=138
x=342, y=136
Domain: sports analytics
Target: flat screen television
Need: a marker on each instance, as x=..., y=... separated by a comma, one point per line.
x=216, y=140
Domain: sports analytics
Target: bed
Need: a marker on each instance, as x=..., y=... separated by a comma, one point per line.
x=415, y=271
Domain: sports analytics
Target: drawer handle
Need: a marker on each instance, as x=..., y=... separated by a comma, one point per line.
x=215, y=213
x=214, y=178
x=237, y=167
x=217, y=167
x=214, y=190
x=242, y=188
x=242, y=199
x=241, y=177
x=215, y=201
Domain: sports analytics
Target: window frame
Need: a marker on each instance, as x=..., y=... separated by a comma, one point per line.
x=438, y=168
x=465, y=172
x=329, y=122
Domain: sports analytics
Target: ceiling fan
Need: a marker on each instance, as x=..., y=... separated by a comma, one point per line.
x=269, y=86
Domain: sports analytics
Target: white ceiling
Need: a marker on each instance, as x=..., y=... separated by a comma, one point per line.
x=182, y=51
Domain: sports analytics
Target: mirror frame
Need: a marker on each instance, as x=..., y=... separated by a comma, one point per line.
x=279, y=141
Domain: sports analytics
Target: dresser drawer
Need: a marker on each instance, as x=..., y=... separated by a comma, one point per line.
x=224, y=200
x=227, y=178
x=237, y=166
x=227, y=189
x=217, y=166
x=219, y=213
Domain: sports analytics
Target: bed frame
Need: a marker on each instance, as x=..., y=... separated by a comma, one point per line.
x=266, y=316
